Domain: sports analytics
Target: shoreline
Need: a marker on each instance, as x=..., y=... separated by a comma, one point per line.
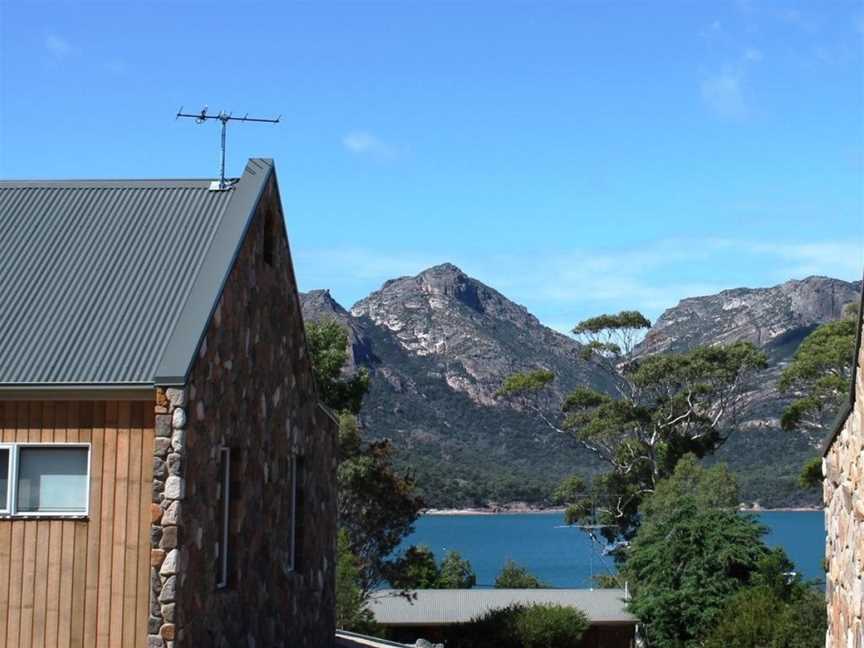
x=504, y=510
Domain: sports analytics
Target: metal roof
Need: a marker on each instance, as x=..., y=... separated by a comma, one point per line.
x=445, y=606
x=112, y=282
x=346, y=639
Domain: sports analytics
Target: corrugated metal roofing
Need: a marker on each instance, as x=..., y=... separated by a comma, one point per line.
x=441, y=607
x=95, y=275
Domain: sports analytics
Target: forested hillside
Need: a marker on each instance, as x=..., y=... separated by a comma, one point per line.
x=439, y=344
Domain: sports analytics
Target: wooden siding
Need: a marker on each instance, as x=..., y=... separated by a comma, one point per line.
x=82, y=583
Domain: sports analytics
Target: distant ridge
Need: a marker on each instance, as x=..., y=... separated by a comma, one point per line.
x=439, y=343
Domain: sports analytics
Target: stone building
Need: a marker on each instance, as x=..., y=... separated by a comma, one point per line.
x=167, y=476
x=843, y=469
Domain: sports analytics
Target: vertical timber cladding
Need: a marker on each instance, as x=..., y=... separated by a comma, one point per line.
x=251, y=390
x=82, y=582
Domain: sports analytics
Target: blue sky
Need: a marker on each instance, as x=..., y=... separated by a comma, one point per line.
x=581, y=157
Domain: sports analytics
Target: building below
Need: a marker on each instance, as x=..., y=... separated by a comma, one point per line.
x=843, y=490
x=428, y=613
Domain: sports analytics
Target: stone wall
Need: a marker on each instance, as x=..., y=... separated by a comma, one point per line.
x=251, y=390
x=843, y=468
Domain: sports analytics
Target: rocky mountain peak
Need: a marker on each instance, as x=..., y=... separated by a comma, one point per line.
x=478, y=335
x=776, y=318
x=320, y=301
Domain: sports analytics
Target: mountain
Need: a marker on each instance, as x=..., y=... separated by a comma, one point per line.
x=766, y=459
x=439, y=344
x=776, y=319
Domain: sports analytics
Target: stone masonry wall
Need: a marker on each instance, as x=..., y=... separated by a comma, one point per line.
x=251, y=390
x=843, y=468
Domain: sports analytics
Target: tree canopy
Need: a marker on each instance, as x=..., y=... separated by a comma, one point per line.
x=515, y=576
x=456, y=572
x=416, y=568
x=660, y=408
x=702, y=576
x=328, y=347
x=818, y=376
x=351, y=611
x=377, y=505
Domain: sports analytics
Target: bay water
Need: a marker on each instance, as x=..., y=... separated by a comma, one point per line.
x=564, y=556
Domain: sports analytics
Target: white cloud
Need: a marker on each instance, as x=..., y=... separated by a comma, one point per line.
x=724, y=96
x=365, y=143
x=59, y=48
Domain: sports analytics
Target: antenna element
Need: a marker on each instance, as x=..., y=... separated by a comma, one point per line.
x=223, y=117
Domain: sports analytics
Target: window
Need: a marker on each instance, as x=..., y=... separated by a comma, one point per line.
x=269, y=237
x=222, y=514
x=296, y=512
x=44, y=479
x=5, y=460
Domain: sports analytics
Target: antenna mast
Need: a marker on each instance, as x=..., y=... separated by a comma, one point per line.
x=223, y=117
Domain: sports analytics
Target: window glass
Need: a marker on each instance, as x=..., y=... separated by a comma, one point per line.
x=222, y=503
x=52, y=480
x=4, y=479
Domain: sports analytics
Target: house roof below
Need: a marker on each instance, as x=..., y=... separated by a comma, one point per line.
x=430, y=607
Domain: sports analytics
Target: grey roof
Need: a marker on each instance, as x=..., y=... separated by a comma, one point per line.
x=112, y=282
x=441, y=607
x=844, y=413
x=346, y=639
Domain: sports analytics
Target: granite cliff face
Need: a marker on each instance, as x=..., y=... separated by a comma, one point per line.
x=439, y=344
x=475, y=335
x=775, y=318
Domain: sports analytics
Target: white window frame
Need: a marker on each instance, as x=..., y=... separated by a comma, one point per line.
x=225, y=460
x=11, y=509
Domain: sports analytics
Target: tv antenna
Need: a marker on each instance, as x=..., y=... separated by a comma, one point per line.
x=223, y=117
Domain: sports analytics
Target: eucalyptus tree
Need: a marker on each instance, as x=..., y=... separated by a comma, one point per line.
x=654, y=410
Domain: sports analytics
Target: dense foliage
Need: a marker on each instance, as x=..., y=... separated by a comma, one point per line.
x=819, y=376
x=377, y=505
x=351, y=611
x=663, y=407
x=522, y=626
x=456, y=572
x=757, y=617
x=514, y=576
x=416, y=568
x=700, y=571
x=327, y=342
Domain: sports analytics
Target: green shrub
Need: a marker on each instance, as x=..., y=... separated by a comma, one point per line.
x=757, y=617
x=550, y=626
x=522, y=626
x=515, y=576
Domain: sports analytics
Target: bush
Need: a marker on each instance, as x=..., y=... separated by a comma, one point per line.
x=514, y=576
x=550, y=626
x=522, y=626
x=758, y=618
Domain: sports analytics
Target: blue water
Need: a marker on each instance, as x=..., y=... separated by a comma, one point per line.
x=564, y=557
